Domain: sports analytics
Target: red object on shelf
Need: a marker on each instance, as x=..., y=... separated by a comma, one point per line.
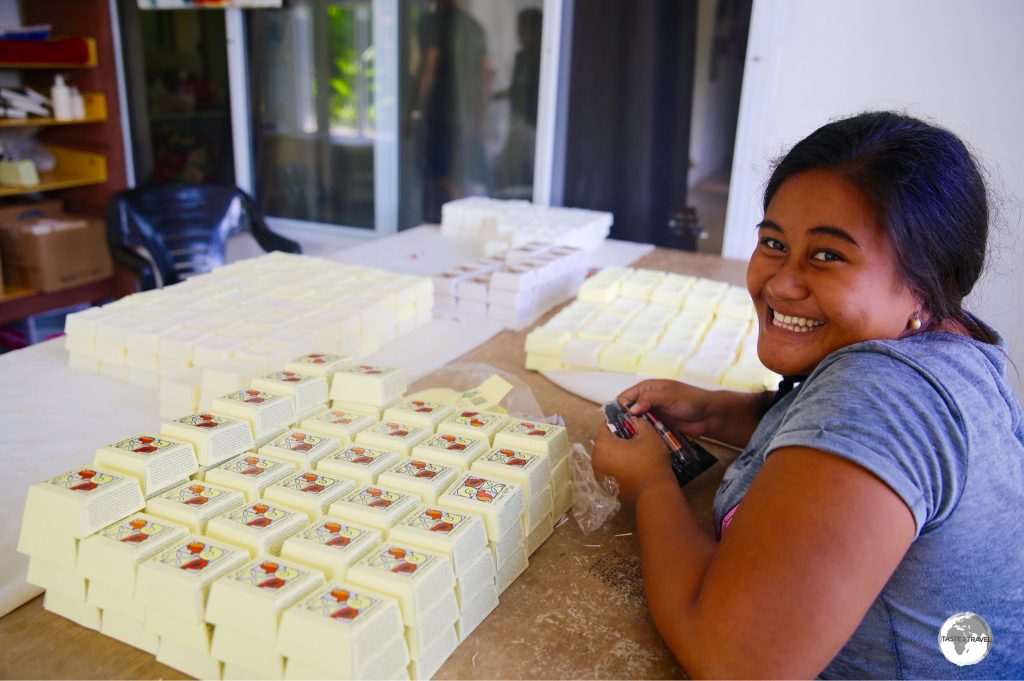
x=73, y=50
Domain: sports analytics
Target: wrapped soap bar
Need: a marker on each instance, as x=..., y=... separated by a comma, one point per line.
x=156, y=462
x=177, y=579
x=338, y=424
x=188, y=633
x=376, y=412
x=226, y=377
x=215, y=438
x=539, y=534
x=344, y=628
x=563, y=501
x=77, y=611
x=318, y=364
x=309, y=392
x=422, y=413
x=267, y=414
x=533, y=436
x=433, y=656
x=459, y=535
x=468, y=423
x=301, y=448
x=422, y=640
x=531, y=470
x=400, y=437
x=109, y=598
x=475, y=610
x=309, y=491
x=235, y=647
x=128, y=630
x=188, y=660
x=251, y=598
x=477, y=573
x=418, y=579
x=359, y=462
x=260, y=527
x=374, y=506
x=368, y=384
x=54, y=547
x=52, y=577
x=330, y=545
x=81, y=501
x=192, y=504
x=250, y=474
x=423, y=478
x=510, y=560
x=459, y=451
x=111, y=555
x=499, y=502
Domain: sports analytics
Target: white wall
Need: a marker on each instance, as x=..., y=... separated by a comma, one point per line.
x=955, y=62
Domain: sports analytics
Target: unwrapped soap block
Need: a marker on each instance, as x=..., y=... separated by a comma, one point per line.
x=186, y=632
x=82, y=501
x=309, y=491
x=368, y=384
x=361, y=463
x=338, y=423
x=308, y=392
x=500, y=503
x=374, y=506
x=215, y=438
x=157, y=462
x=250, y=474
x=260, y=527
x=267, y=414
x=425, y=479
x=192, y=504
x=418, y=579
x=457, y=534
x=468, y=423
x=129, y=630
x=330, y=545
x=452, y=450
x=422, y=413
x=76, y=610
x=111, y=555
x=188, y=660
x=393, y=435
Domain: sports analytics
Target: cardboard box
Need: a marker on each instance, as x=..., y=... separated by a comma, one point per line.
x=48, y=250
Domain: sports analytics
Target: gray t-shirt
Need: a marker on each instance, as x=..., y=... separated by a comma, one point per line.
x=934, y=417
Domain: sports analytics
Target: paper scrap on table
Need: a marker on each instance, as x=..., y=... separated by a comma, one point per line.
x=484, y=397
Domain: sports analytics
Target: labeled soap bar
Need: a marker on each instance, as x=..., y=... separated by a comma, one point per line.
x=499, y=502
x=157, y=462
x=301, y=448
x=330, y=545
x=192, y=504
x=111, y=555
x=82, y=501
x=178, y=579
x=459, y=535
x=215, y=438
x=251, y=598
x=422, y=413
x=374, y=506
x=361, y=463
x=418, y=579
x=368, y=384
x=530, y=470
x=459, y=451
x=400, y=437
x=260, y=527
x=309, y=491
x=250, y=474
x=338, y=423
x=533, y=436
x=308, y=392
x=344, y=628
x=468, y=423
x=423, y=478
x=318, y=364
x=267, y=414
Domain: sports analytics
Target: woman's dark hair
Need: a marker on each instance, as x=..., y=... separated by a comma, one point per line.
x=928, y=195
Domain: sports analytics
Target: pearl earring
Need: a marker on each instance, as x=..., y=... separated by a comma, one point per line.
x=915, y=323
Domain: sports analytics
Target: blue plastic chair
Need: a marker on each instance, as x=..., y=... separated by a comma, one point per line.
x=182, y=229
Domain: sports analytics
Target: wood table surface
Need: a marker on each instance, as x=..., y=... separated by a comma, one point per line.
x=578, y=612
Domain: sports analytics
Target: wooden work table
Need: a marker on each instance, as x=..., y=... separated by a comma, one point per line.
x=578, y=612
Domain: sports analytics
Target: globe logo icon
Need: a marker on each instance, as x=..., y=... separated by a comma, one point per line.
x=965, y=639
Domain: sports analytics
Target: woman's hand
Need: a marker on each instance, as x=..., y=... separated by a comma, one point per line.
x=683, y=408
x=636, y=463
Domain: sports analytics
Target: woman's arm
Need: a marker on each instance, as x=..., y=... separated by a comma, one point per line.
x=813, y=542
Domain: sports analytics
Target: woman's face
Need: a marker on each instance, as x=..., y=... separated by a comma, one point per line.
x=823, y=275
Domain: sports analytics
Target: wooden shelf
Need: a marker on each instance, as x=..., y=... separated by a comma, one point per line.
x=91, y=62
x=95, y=112
x=24, y=303
x=74, y=169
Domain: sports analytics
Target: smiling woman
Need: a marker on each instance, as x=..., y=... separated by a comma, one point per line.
x=888, y=456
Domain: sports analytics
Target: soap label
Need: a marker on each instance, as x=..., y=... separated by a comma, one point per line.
x=375, y=497
x=334, y=534
x=436, y=520
x=268, y=575
x=510, y=457
x=311, y=483
x=400, y=561
x=144, y=444
x=83, y=480
x=342, y=605
x=134, y=531
x=532, y=429
x=203, y=420
x=480, y=489
x=193, y=557
x=298, y=442
x=258, y=516
x=193, y=494
x=419, y=469
x=250, y=465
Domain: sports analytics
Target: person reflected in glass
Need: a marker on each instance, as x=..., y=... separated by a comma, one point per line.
x=515, y=164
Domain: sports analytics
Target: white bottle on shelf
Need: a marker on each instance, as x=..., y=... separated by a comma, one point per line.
x=77, y=104
x=60, y=95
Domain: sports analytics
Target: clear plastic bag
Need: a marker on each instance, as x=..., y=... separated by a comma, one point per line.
x=519, y=401
x=594, y=501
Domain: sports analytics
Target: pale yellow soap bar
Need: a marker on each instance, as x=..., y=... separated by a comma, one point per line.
x=563, y=501
x=250, y=474
x=478, y=424
x=215, y=438
x=500, y=502
x=433, y=657
x=422, y=413
x=452, y=450
x=252, y=597
x=53, y=577
x=192, y=504
x=457, y=534
x=234, y=646
x=111, y=555
x=156, y=461
x=77, y=611
x=385, y=667
x=475, y=610
x=534, y=436
x=418, y=579
x=368, y=384
x=128, y=630
x=479, y=574
x=309, y=491
x=189, y=633
x=512, y=564
x=188, y=660
x=362, y=463
x=177, y=579
x=354, y=625
x=374, y=506
x=539, y=534
x=338, y=423
x=442, y=617
x=260, y=527
x=527, y=469
x=302, y=448
x=330, y=545
x=376, y=412
x=308, y=392
x=82, y=501
x=423, y=478
x=318, y=364
x=53, y=547
x=110, y=598
x=267, y=414
x=400, y=437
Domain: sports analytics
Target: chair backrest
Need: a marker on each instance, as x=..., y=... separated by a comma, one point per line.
x=182, y=229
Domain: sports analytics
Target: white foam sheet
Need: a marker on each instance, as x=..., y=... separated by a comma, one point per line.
x=603, y=386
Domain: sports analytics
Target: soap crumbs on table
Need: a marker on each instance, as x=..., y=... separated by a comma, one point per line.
x=625, y=534
x=563, y=521
x=577, y=559
x=593, y=546
x=473, y=659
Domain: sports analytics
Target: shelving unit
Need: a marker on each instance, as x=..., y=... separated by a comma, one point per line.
x=91, y=62
x=73, y=169
x=95, y=112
